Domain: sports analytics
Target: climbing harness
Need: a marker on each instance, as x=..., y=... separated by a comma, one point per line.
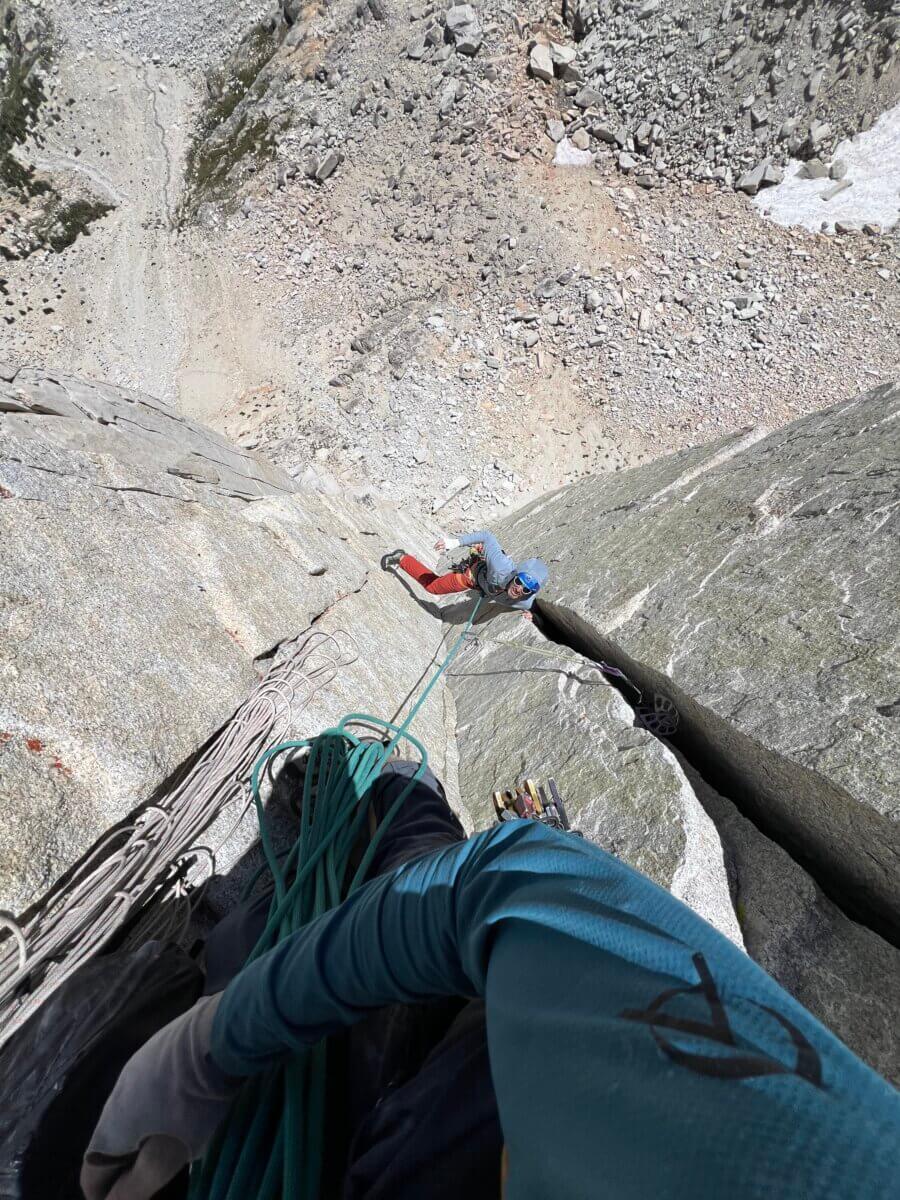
x=469, y=565
x=270, y=1145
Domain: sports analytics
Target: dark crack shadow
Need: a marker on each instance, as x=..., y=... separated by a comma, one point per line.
x=849, y=849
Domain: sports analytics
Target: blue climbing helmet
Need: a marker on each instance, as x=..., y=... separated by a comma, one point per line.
x=531, y=575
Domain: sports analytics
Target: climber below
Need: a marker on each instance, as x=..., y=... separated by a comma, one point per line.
x=490, y=572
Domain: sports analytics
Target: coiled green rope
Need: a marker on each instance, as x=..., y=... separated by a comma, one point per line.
x=270, y=1145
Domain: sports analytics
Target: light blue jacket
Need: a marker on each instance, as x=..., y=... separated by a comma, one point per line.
x=493, y=578
x=636, y=1054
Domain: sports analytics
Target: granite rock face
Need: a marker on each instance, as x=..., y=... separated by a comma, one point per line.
x=847, y=975
x=757, y=576
x=756, y=573
x=149, y=572
x=521, y=713
x=145, y=566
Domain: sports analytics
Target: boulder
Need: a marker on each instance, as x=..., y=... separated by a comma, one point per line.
x=562, y=56
x=569, y=155
x=458, y=18
x=328, y=164
x=469, y=42
x=464, y=29
x=764, y=174
x=540, y=62
x=588, y=97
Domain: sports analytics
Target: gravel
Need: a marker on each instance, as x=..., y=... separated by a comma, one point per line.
x=729, y=84
x=190, y=36
x=442, y=298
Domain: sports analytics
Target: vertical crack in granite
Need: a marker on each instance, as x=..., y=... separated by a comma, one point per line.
x=858, y=873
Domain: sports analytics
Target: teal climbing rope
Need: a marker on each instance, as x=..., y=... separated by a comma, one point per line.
x=270, y=1145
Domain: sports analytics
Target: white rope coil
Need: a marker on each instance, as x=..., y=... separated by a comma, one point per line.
x=159, y=853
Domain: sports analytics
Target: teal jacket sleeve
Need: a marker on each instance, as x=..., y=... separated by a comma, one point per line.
x=629, y=1041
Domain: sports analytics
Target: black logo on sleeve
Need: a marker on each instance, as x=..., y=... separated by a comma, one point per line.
x=741, y=1064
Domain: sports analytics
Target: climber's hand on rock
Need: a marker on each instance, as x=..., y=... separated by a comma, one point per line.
x=440, y=545
x=527, y=616
x=167, y=1103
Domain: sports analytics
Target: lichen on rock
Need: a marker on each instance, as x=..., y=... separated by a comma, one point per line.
x=38, y=211
x=237, y=128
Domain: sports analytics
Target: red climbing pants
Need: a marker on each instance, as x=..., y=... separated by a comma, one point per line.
x=437, y=585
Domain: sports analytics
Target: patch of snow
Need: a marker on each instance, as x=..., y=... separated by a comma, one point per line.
x=873, y=169
x=568, y=155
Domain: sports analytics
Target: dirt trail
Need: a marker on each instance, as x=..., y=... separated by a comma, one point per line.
x=139, y=303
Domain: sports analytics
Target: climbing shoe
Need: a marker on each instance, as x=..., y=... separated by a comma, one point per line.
x=391, y=560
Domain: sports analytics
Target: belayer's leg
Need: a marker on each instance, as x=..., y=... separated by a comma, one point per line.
x=425, y=821
x=435, y=1131
x=418, y=1086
